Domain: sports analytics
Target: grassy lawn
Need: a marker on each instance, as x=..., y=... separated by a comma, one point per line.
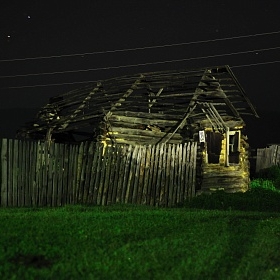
x=224, y=239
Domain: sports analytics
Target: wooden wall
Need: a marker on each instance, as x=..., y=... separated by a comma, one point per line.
x=232, y=178
x=35, y=174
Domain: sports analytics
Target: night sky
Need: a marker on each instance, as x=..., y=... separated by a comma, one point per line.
x=38, y=37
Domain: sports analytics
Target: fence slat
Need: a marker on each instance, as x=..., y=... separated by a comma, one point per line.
x=267, y=157
x=10, y=172
x=90, y=151
x=158, y=176
x=4, y=172
x=142, y=167
x=137, y=176
x=15, y=172
x=116, y=177
x=126, y=173
x=150, y=188
x=106, y=171
x=146, y=175
x=131, y=175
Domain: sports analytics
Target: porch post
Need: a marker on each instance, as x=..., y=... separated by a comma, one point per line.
x=227, y=147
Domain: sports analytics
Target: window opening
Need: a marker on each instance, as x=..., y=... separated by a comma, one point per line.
x=234, y=152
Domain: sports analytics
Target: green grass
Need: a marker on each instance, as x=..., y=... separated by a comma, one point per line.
x=209, y=238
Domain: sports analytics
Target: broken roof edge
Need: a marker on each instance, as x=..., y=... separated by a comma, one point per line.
x=143, y=75
x=91, y=84
x=242, y=91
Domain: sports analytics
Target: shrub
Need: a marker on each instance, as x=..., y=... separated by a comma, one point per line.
x=272, y=173
x=262, y=183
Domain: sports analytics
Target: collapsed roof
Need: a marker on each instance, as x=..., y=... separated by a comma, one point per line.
x=166, y=101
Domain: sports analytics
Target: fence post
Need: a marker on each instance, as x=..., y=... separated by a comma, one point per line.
x=4, y=170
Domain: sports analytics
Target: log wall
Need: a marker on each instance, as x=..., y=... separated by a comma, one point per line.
x=232, y=178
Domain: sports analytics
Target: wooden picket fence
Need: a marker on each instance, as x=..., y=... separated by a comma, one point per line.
x=267, y=157
x=35, y=174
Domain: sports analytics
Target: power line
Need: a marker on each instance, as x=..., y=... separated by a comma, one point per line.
x=139, y=64
x=255, y=64
x=87, y=82
x=142, y=48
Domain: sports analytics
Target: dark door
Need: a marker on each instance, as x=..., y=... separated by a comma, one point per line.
x=214, y=146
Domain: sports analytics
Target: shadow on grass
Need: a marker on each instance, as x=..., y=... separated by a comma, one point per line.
x=241, y=228
x=36, y=261
x=257, y=199
x=241, y=235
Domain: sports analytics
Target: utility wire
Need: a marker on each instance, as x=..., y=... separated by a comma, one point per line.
x=140, y=64
x=142, y=48
x=87, y=82
x=255, y=64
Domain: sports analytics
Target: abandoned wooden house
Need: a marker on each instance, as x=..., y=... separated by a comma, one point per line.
x=203, y=105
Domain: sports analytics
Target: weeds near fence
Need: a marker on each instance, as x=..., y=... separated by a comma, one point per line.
x=262, y=196
x=268, y=178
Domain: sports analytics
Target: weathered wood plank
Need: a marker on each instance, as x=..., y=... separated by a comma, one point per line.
x=39, y=173
x=162, y=176
x=4, y=172
x=15, y=174
x=44, y=168
x=168, y=173
x=179, y=159
x=187, y=171
x=138, y=140
x=49, y=171
x=65, y=178
x=93, y=177
x=120, y=184
x=151, y=188
x=32, y=166
x=60, y=173
x=131, y=175
x=116, y=174
x=193, y=168
x=10, y=172
x=111, y=174
x=158, y=174
x=172, y=184
x=108, y=157
x=142, y=167
x=126, y=172
x=53, y=175
x=72, y=173
x=98, y=174
x=146, y=175
x=102, y=176
x=87, y=172
x=146, y=121
x=123, y=132
x=23, y=174
x=28, y=181
x=137, y=176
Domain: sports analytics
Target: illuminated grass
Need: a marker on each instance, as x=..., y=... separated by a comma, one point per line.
x=263, y=183
x=137, y=242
